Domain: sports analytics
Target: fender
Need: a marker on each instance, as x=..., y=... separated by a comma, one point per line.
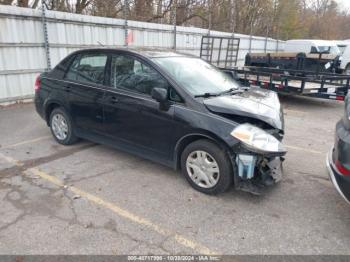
x=48, y=107
x=191, y=137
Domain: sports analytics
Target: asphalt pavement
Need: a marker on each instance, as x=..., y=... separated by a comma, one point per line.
x=92, y=199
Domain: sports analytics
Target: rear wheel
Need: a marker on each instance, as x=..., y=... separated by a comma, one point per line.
x=61, y=127
x=206, y=167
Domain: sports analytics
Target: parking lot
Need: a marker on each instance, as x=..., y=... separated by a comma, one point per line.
x=91, y=199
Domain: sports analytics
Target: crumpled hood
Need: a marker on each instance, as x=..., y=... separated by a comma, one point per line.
x=254, y=103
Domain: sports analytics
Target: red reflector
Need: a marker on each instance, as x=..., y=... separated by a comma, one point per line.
x=37, y=84
x=340, y=98
x=342, y=169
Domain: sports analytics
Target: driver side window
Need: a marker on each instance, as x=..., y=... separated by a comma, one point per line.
x=133, y=75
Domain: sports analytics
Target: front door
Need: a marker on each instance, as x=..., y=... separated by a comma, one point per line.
x=131, y=115
x=84, y=84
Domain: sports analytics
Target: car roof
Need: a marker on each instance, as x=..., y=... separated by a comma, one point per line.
x=149, y=53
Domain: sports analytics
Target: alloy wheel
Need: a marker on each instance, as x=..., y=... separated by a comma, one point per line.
x=59, y=126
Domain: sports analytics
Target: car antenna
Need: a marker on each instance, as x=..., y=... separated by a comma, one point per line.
x=100, y=43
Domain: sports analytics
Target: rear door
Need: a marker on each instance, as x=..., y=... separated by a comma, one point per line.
x=84, y=84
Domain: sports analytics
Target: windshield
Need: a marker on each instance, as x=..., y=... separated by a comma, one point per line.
x=342, y=48
x=197, y=76
x=334, y=50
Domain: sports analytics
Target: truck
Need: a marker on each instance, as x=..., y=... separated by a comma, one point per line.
x=344, y=47
x=301, y=54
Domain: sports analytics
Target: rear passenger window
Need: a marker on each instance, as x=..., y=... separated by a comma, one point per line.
x=88, y=68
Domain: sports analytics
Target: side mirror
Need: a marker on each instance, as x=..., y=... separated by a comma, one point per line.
x=159, y=94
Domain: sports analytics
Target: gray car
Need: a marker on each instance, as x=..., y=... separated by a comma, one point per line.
x=338, y=161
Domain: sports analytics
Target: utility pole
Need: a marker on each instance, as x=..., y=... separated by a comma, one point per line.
x=233, y=18
x=266, y=36
x=174, y=24
x=46, y=37
x=251, y=37
x=277, y=41
x=209, y=17
x=125, y=11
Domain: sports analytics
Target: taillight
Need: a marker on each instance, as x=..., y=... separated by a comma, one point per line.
x=342, y=169
x=37, y=84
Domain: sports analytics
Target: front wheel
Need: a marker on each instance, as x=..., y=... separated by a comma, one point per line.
x=206, y=167
x=61, y=127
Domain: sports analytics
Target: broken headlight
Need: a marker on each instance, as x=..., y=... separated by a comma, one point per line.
x=257, y=139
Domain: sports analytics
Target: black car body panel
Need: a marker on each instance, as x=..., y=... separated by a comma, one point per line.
x=341, y=183
x=342, y=144
x=341, y=154
x=254, y=103
x=138, y=124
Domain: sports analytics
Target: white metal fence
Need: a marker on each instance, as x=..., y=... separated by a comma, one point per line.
x=22, y=42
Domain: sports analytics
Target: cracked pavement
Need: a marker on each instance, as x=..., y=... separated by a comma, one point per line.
x=302, y=215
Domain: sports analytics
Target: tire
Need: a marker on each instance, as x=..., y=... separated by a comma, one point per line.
x=66, y=136
x=204, y=152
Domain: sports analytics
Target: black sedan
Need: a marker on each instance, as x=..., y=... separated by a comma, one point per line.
x=338, y=161
x=170, y=108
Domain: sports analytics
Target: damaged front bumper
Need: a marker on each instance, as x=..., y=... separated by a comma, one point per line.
x=254, y=172
x=257, y=158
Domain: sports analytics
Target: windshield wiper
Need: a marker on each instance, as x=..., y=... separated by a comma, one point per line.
x=232, y=91
x=206, y=95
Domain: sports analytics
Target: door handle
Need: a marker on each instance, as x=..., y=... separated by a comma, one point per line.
x=67, y=89
x=114, y=100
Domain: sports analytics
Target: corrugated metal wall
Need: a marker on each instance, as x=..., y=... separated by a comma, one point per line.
x=22, y=52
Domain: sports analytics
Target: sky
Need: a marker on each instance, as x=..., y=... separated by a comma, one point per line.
x=344, y=3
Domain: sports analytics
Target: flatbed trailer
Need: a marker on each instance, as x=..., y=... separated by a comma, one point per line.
x=320, y=62
x=293, y=82
x=222, y=52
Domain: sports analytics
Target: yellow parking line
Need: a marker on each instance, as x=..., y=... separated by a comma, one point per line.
x=11, y=160
x=25, y=142
x=180, y=239
x=304, y=149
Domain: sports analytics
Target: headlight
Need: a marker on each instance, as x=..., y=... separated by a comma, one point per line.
x=257, y=139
